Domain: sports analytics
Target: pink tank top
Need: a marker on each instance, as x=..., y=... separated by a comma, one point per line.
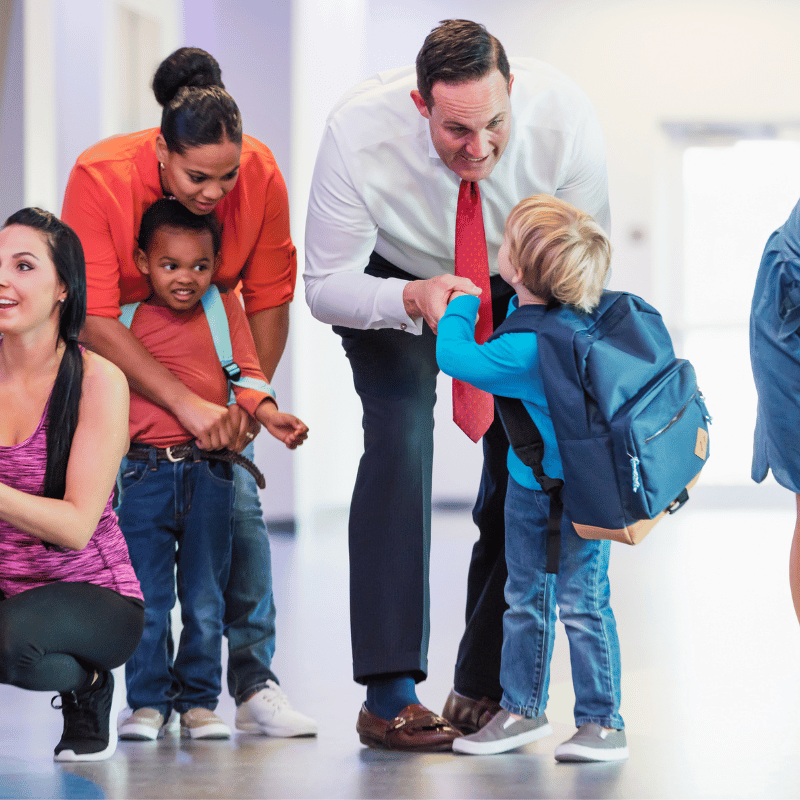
x=26, y=563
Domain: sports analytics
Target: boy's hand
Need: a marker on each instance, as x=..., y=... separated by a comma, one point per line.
x=286, y=427
x=456, y=293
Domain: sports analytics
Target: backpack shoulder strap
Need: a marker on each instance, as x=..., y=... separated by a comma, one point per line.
x=220, y=333
x=525, y=319
x=128, y=310
x=524, y=436
x=526, y=440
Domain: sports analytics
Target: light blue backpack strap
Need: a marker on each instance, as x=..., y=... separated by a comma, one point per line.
x=220, y=333
x=126, y=317
x=257, y=384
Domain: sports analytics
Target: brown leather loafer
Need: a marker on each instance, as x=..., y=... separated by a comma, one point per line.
x=415, y=729
x=469, y=715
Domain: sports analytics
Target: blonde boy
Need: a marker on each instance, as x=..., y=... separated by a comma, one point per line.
x=551, y=251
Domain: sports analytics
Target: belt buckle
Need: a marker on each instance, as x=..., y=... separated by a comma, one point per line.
x=170, y=457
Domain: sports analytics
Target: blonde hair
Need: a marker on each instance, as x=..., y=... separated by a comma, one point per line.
x=561, y=251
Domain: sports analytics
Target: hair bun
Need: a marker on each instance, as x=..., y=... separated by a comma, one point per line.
x=188, y=66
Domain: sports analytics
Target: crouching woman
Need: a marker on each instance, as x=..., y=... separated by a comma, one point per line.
x=70, y=605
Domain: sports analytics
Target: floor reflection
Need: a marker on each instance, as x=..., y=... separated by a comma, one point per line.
x=710, y=649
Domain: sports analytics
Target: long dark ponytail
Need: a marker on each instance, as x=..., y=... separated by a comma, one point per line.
x=62, y=416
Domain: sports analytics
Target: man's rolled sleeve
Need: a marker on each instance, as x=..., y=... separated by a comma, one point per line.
x=340, y=237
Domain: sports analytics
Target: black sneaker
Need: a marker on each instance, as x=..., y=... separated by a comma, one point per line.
x=86, y=716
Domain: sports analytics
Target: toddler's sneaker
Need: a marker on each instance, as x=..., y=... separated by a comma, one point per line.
x=202, y=723
x=269, y=711
x=503, y=733
x=86, y=735
x=592, y=742
x=142, y=725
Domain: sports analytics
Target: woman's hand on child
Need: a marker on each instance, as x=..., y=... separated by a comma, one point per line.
x=212, y=426
x=245, y=426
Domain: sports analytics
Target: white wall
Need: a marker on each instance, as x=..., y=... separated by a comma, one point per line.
x=12, y=177
x=93, y=74
x=79, y=83
x=642, y=62
x=328, y=57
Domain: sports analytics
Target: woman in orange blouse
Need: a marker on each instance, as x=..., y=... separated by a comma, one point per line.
x=200, y=157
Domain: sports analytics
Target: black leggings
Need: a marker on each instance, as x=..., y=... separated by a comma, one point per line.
x=54, y=637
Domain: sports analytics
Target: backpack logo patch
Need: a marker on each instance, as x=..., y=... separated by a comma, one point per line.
x=701, y=445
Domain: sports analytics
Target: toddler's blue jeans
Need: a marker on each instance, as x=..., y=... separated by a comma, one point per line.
x=581, y=592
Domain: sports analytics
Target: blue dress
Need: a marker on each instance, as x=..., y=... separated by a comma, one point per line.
x=775, y=357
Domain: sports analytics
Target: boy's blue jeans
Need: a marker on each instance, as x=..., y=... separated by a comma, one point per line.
x=581, y=592
x=188, y=505
x=249, y=605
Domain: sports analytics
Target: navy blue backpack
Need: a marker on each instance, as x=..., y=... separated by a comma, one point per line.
x=630, y=421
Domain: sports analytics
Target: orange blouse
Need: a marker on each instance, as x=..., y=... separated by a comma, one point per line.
x=114, y=181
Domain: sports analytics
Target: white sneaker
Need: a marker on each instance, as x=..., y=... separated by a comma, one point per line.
x=202, y=723
x=592, y=742
x=173, y=724
x=269, y=711
x=144, y=724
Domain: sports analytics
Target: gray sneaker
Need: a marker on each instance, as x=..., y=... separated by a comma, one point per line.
x=502, y=733
x=592, y=742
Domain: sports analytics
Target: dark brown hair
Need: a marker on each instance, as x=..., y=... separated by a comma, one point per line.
x=64, y=404
x=458, y=51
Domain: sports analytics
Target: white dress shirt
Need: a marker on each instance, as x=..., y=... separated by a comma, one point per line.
x=380, y=185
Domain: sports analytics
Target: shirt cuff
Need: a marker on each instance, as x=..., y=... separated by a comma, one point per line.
x=251, y=399
x=390, y=308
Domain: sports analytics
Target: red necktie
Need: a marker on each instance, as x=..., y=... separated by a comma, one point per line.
x=473, y=410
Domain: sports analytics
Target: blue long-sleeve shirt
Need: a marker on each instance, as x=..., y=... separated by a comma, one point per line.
x=507, y=366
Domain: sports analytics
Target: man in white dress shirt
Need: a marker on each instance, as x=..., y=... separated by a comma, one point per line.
x=380, y=267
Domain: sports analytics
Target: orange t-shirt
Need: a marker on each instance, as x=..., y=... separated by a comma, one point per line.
x=114, y=181
x=182, y=342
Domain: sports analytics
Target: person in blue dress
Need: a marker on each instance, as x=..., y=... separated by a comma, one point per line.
x=775, y=357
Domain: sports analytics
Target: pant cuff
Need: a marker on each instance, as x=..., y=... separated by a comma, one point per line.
x=617, y=723
x=243, y=697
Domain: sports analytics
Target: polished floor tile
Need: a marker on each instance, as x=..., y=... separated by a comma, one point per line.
x=710, y=653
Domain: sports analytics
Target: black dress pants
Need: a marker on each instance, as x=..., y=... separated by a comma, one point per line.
x=394, y=374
